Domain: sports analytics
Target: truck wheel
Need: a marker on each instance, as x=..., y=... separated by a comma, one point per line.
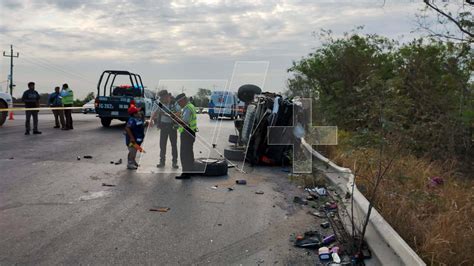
x=211, y=167
x=105, y=121
x=3, y=115
x=234, y=154
x=247, y=92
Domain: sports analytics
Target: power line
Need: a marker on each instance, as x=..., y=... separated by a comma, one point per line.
x=58, y=70
x=52, y=65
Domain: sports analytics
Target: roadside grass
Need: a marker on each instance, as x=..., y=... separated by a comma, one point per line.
x=437, y=221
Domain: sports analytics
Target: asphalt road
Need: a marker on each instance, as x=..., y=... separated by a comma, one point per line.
x=54, y=209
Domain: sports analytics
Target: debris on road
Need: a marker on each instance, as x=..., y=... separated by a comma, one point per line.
x=324, y=253
x=259, y=192
x=325, y=225
x=230, y=189
x=87, y=156
x=107, y=185
x=318, y=214
x=329, y=239
x=310, y=239
x=214, y=187
x=78, y=158
x=11, y=158
x=241, y=182
x=335, y=254
x=160, y=209
x=118, y=162
x=299, y=200
x=331, y=205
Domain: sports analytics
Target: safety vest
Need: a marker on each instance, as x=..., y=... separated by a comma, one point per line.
x=192, y=121
x=68, y=96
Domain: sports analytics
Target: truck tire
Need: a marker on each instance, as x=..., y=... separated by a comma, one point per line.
x=215, y=167
x=234, y=154
x=105, y=121
x=3, y=115
x=247, y=92
x=233, y=139
x=248, y=123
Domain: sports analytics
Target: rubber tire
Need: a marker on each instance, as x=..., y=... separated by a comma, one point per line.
x=233, y=139
x=215, y=167
x=247, y=92
x=105, y=121
x=248, y=122
x=3, y=115
x=234, y=154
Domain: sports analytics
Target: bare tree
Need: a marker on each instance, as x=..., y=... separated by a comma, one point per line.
x=455, y=15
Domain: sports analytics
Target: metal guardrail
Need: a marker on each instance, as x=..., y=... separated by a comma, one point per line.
x=385, y=243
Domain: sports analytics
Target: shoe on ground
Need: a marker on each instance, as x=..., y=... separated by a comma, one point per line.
x=135, y=163
x=64, y=128
x=182, y=176
x=56, y=127
x=27, y=133
x=160, y=165
x=175, y=166
x=132, y=167
x=37, y=132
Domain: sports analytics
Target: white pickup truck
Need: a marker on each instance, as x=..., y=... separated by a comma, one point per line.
x=5, y=102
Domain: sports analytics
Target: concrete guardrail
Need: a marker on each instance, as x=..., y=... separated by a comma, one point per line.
x=387, y=247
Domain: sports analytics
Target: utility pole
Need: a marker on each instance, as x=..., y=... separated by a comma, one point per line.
x=11, y=67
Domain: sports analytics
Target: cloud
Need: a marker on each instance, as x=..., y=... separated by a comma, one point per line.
x=169, y=33
x=11, y=4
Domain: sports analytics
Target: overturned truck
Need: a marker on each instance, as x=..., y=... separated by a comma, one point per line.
x=268, y=130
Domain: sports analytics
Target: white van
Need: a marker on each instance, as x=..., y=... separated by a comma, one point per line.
x=223, y=104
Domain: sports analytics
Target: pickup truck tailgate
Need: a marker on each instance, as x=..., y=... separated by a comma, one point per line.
x=113, y=106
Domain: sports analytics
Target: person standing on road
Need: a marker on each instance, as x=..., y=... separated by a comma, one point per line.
x=168, y=130
x=55, y=100
x=31, y=99
x=188, y=135
x=134, y=135
x=67, y=98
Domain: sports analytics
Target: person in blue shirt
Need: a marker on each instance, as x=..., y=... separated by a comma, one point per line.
x=134, y=135
x=55, y=100
x=211, y=109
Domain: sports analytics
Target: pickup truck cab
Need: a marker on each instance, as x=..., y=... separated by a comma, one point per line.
x=5, y=102
x=112, y=100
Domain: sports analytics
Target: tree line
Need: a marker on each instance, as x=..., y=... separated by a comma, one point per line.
x=419, y=92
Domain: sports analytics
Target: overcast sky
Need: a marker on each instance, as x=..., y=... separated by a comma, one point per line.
x=73, y=41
